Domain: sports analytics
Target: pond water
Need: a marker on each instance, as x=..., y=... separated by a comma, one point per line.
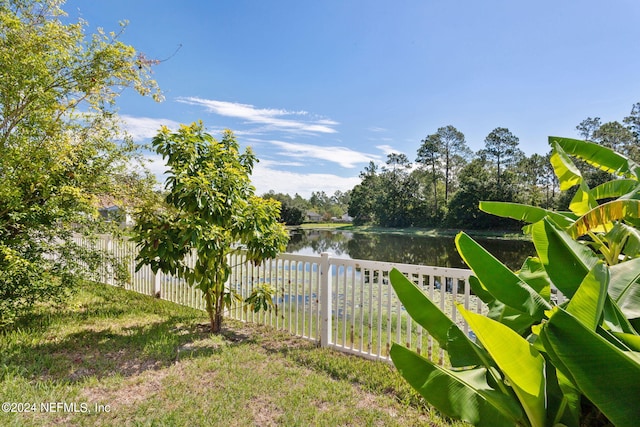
x=402, y=248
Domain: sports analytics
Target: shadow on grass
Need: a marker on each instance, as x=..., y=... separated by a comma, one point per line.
x=107, y=333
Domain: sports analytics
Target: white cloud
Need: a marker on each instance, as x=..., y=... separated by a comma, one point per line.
x=141, y=128
x=266, y=116
x=276, y=163
x=343, y=156
x=376, y=129
x=386, y=149
x=157, y=166
x=264, y=178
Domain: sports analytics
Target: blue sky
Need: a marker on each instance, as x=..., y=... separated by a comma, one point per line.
x=320, y=88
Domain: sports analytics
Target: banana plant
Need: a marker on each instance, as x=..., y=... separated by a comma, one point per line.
x=611, y=227
x=535, y=363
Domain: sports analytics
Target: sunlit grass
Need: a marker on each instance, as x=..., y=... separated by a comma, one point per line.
x=136, y=360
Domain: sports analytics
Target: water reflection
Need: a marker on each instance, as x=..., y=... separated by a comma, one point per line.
x=422, y=250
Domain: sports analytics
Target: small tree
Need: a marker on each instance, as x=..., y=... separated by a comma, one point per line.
x=210, y=210
x=59, y=147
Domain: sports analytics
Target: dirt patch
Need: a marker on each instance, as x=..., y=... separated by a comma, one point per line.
x=136, y=389
x=265, y=412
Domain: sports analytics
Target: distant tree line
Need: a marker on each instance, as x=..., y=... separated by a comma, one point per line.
x=295, y=210
x=447, y=180
x=443, y=185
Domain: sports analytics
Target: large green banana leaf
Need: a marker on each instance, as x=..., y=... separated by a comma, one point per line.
x=599, y=156
x=499, y=280
x=519, y=361
x=624, y=287
x=564, y=168
x=605, y=214
x=608, y=376
x=462, y=351
x=566, y=261
x=534, y=274
x=464, y=395
x=632, y=342
x=588, y=302
x=615, y=188
x=625, y=238
x=500, y=312
x=583, y=201
x=529, y=214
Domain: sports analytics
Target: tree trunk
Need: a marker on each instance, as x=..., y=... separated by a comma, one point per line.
x=213, y=316
x=219, y=309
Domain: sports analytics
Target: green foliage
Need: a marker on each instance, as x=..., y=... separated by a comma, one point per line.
x=60, y=150
x=538, y=363
x=210, y=211
x=289, y=213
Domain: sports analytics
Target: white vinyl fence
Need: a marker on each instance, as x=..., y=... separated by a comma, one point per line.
x=340, y=303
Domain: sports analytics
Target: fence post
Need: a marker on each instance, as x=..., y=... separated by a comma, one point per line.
x=325, y=300
x=108, y=273
x=155, y=278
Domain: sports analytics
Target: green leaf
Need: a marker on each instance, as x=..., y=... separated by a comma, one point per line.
x=588, y=302
x=462, y=351
x=568, y=174
x=566, y=261
x=498, y=311
x=615, y=188
x=529, y=214
x=534, y=274
x=632, y=341
x=606, y=375
x=625, y=238
x=501, y=282
x=615, y=318
x=520, y=362
x=583, y=201
x=624, y=287
x=464, y=395
x=599, y=156
x=605, y=214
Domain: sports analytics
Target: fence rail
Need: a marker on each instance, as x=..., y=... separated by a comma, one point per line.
x=341, y=303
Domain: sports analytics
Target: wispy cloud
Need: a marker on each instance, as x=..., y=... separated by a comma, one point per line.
x=386, y=149
x=278, y=163
x=376, y=129
x=141, y=128
x=267, y=176
x=277, y=119
x=343, y=156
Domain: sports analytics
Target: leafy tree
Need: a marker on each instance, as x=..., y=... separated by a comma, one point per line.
x=210, y=210
x=59, y=147
x=588, y=127
x=289, y=214
x=396, y=197
x=364, y=196
x=501, y=148
x=536, y=181
x=618, y=137
x=633, y=124
x=429, y=160
x=455, y=152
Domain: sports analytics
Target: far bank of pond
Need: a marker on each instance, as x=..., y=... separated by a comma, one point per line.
x=436, y=249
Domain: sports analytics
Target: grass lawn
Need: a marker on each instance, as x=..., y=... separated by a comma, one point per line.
x=113, y=357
